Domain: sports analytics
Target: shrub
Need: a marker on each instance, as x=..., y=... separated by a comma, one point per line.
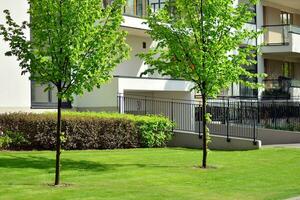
x=86, y=130
x=4, y=142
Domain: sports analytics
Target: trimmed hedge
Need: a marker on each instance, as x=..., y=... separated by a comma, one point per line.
x=84, y=130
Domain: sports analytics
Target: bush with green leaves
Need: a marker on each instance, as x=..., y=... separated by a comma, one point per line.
x=4, y=142
x=86, y=130
x=13, y=140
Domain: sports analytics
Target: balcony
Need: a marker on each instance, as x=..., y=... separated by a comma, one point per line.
x=281, y=88
x=281, y=39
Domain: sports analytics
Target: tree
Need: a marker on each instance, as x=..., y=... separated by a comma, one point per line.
x=74, y=46
x=201, y=41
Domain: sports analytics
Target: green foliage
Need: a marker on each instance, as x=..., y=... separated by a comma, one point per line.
x=5, y=141
x=155, y=131
x=74, y=44
x=202, y=43
x=12, y=140
x=86, y=130
x=205, y=42
x=208, y=120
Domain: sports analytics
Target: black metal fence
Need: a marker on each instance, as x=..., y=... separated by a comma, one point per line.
x=230, y=118
x=283, y=114
x=279, y=114
x=181, y=112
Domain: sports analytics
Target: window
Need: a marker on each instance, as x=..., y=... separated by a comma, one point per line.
x=288, y=70
x=156, y=4
x=286, y=18
x=42, y=99
x=135, y=7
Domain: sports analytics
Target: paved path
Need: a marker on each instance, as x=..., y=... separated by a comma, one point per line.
x=283, y=146
x=295, y=198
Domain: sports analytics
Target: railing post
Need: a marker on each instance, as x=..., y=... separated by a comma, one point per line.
x=274, y=114
x=258, y=112
x=224, y=111
x=119, y=103
x=172, y=113
x=254, y=124
x=199, y=119
x=145, y=105
x=227, y=121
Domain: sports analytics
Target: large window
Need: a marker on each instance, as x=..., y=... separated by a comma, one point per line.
x=286, y=18
x=288, y=70
x=135, y=8
x=42, y=99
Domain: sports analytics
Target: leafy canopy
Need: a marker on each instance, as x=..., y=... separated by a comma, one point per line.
x=74, y=44
x=203, y=44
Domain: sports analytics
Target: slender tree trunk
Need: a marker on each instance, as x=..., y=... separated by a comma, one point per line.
x=58, y=138
x=204, y=137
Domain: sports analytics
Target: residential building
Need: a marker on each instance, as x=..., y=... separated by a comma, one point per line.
x=280, y=59
x=18, y=93
x=281, y=50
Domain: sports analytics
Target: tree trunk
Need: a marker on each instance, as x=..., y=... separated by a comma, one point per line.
x=204, y=137
x=58, y=137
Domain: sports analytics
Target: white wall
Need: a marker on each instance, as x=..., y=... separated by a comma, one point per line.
x=134, y=22
x=14, y=88
x=134, y=66
x=106, y=96
x=126, y=84
x=260, y=40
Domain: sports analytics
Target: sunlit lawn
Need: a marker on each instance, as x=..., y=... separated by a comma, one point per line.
x=150, y=174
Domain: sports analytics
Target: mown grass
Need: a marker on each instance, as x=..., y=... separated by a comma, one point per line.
x=152, y=174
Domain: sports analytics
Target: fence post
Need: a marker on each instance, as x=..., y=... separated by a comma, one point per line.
x=227, y=121
x=119, y=103
x=274, y=114
x=199, y=119
x=287, y=112
x=224, y=111
x=254, y=123
x=145, y=105
x=258, y=112
x=172, y=113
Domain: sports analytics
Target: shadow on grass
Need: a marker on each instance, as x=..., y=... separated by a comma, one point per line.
x=37, y=162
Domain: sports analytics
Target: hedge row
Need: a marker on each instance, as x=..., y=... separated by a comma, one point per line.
x=85, y=130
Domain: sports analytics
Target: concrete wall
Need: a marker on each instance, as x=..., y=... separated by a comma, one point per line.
x=103, y=99
x=271, y=16
x=266, y=136
x=191, y=140
x=134, y=66
x=14, y=88
x=270, y=136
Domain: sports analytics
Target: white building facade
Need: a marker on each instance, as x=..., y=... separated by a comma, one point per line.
x=18, y=93
x=280, y=58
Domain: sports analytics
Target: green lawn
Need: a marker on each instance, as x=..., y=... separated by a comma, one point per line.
x=150, y=174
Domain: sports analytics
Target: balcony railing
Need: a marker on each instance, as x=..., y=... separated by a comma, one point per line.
x=279, y=34
x=138, y=8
